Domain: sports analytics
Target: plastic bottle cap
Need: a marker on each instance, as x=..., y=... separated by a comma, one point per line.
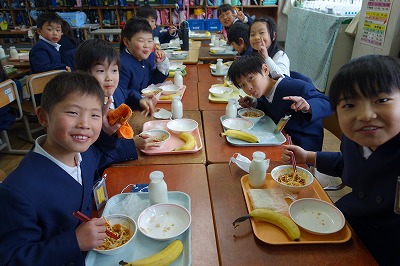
x=176, y=97
x=156, y=176
x=219, y=60
x=258, y=155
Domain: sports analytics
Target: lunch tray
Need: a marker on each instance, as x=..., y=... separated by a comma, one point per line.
x=143, y=246
x=224, y=53
x=272, y=234
x=173, y=142
x=234, y=95
x=181, y=92
x=264, y=130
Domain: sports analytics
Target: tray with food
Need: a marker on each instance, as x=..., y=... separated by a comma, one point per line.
x=262, y=132
x=164, y=92
x=142, y=246
x=272, y=234
x=174, y=142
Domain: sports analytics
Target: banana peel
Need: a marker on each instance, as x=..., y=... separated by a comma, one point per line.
x=121, y=115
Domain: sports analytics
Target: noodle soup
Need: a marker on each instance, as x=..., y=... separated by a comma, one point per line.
x=285, y=178
x=121, y=225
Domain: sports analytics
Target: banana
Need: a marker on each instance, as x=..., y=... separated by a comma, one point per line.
x=169, y=97
x=162, y=258
x=237, y=134
x=190, y=142
x=275, y=218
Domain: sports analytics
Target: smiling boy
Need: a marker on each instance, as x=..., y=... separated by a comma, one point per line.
x=44, y=55
x=140, y=67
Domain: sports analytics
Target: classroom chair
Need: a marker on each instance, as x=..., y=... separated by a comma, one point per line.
x=35, y=84
x=9, y=94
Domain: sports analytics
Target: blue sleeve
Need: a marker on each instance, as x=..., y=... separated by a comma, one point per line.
x=330, y=163
x=319, y=102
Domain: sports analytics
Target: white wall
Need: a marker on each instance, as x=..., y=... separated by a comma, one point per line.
x=282, y=22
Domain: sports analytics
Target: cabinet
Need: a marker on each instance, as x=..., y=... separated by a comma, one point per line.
x=22, y=12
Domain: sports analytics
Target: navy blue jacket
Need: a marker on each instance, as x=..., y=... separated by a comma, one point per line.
x=305, y=129
x=37, y=200
x=44, y=57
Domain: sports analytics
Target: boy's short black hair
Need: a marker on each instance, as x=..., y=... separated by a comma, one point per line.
x=271, y=26
x=134, y=25
x=237, y=31
x=369, y=74
x=49, y=17
x=93, y=52
x=223, y=8
x=147, y=11
x=66, y=83
x=244, y=65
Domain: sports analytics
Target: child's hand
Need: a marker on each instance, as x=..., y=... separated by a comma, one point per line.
x=246, y=102
x=91, y=234
x=144, y=142
x=107, y=128
x=301, y=155
x=240, y=15
x=263, y=50
x=147, y=106
x=68, y=68
x=172, y=30
x=160, y=55
x=299, y=104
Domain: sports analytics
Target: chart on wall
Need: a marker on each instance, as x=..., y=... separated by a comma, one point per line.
x=376, y=20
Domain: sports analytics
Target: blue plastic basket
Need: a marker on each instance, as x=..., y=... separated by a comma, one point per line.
x=212, y=25
x=196, y=24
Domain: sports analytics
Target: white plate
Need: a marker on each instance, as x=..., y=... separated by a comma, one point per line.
x=162, y=114
x=174, y=66
x=316, y=216
x=169, y=89
x=237, y=124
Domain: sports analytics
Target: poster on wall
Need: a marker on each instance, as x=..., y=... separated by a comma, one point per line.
x=376, y=20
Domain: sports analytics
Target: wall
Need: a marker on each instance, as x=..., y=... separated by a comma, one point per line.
x=392, y=38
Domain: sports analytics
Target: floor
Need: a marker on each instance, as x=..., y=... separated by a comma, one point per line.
x=9, y=162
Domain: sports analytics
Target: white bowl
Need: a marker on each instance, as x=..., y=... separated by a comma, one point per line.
x=125, y=221
x=176, y=66
x=316, y=216
x=225, y=67
x=217, y=50
x=160, y=136
x=179, y=126
x=164, y=221
x=220, y=91
x=169, y=89
x=288, y=170
x=179, y=54
x=237, y=124
x=254, y=115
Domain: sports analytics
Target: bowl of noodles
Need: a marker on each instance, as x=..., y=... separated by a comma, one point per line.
x=284, y=176
x=124, y=227
x=252, y=114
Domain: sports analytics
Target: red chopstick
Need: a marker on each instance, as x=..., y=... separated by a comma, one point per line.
x=83, y=218
x=292, y=156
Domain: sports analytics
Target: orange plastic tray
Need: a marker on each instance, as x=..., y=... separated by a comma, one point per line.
x=173, y=142
x=272, y=234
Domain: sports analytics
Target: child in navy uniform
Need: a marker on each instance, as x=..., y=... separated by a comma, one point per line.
x=101, y=60
x=365, y=94
x=150, y=14
x=44, y=55
x=140, y=67
x=280, y=97
x=56, y=178
x=238, y=37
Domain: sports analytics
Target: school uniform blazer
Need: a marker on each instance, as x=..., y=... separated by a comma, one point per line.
x=164, y=36
x=305, y=129
x=67, y=51
x=369, y=206
x=135, y=75
x=44, y=57
x=37, y=201
x=248, y=51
